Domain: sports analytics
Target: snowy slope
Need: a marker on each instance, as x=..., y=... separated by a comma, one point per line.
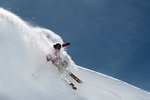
x=25, y=75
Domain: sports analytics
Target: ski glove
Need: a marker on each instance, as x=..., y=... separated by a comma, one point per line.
x=66, y=44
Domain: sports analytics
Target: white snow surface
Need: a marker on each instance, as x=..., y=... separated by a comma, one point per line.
x=25, y=74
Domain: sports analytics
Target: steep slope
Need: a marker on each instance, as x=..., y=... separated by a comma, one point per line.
x=25, y=74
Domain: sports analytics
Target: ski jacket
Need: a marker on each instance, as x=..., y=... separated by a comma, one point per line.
x=57, y=52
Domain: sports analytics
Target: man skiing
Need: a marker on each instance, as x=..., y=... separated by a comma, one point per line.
x=59, y=63
x=62, y=65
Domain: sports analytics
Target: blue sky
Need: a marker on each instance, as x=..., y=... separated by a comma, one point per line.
x=111, y=37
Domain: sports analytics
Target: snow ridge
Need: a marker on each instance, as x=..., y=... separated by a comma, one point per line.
x=25, y=74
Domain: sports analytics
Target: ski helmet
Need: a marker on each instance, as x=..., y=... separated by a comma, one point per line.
x=57, y=46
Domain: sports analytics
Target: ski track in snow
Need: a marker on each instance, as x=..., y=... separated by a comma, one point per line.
x=25, y=74
x=107, y=91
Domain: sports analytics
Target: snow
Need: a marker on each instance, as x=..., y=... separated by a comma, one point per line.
x=25, y=74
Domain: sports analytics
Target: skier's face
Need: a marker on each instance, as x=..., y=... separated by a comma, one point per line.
x=58, y=49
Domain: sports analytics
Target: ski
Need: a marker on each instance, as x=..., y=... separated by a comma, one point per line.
x=70, y=84
x=75, y=78
x=73, y=87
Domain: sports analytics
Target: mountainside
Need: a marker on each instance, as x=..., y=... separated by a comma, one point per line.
x=25, y=74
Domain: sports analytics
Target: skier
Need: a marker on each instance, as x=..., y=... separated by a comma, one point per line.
x=59, y=63
x=62, y=65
